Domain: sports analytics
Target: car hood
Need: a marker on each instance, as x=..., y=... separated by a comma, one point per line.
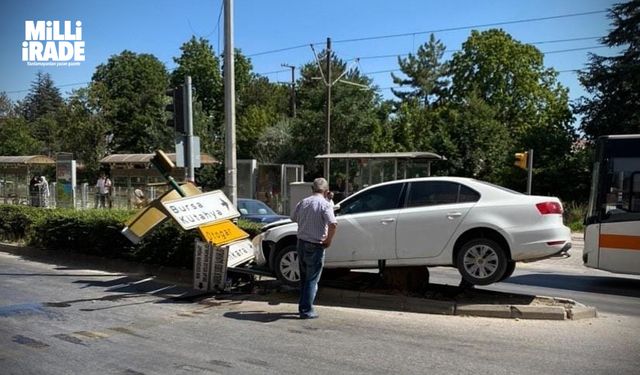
x=285, y=220
x=265, y=218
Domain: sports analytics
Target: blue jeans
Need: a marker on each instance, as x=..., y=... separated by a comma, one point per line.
x=311, y=260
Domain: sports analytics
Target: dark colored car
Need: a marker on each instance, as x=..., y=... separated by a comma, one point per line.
x=257, y=211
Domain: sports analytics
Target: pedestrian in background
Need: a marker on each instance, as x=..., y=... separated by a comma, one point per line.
x=34, y=191
x=44, y=191
x=103, y=188
x=316, y=227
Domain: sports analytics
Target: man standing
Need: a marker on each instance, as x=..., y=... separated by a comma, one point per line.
x=103, y=187
x=316, y=228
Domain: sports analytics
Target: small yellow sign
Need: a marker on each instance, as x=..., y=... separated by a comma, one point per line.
x=222, y=233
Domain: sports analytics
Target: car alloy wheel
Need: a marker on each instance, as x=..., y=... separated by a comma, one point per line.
x=482, y=261
x=287, y=267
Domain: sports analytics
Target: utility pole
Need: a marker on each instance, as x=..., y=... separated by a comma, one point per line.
x=328, y=84
x=293, y=88
x=327, y=162
x=231, y=175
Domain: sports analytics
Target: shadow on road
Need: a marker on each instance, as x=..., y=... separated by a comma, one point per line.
x=618, y=286
x=260, y=316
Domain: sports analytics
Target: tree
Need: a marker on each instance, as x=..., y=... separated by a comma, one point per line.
x=129, y=91
x=274, y=145
x=526, y=98
x=43, y=98
x=6, y=106
x=476, y=144
x=82, y=130
x=614, y=82
x=16, y=139
x=200, y=62
x=260, y=104
x=426, y=74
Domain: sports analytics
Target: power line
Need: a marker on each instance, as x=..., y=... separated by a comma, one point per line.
x=436, y=31
x=281, y=50
x=457, y=50
x=544, y=53
x=470, y=27
x=64, y=85
x=273, y=72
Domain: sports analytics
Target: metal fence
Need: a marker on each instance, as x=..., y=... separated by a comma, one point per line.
x=84, y=196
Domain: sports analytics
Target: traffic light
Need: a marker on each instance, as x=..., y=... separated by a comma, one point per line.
x=521, y=160
x=177, y=108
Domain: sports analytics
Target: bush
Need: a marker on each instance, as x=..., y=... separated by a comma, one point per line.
x=574, y=214
x=97, y=232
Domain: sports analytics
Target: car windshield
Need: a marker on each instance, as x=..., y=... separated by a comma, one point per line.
x=254, y=207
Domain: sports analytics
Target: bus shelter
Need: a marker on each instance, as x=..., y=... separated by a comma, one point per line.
x=355, y=171
x=268, y=182
x=129, y=172
x=15, y=174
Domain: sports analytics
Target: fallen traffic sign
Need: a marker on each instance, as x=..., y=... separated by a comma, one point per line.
x=222, y=233
x=154, y=214
x=206, y=208
x=240, y=252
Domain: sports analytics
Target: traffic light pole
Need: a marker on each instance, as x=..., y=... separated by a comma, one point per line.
x=529, y=171
x=188, y=141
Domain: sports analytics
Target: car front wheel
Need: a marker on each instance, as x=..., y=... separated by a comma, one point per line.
x=482, y=261
x=286, y=266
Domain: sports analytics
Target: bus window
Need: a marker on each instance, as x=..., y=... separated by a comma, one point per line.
x=621, y=201
x=634, y=197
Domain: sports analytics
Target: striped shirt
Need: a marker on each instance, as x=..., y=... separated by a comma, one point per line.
x=313, y=215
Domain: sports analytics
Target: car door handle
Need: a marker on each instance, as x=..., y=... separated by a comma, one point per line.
x=387, y=220
x=452, y=215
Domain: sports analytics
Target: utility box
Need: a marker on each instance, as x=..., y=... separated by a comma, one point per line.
x=298, y=191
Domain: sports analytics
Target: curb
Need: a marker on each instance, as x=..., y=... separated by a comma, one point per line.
x=562, y=308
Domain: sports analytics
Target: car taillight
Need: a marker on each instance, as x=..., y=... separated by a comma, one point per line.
x=547, y=208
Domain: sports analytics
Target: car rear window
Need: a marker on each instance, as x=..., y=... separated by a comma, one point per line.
x=430, y=193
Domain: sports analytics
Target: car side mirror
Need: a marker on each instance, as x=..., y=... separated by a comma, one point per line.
x=336, y=207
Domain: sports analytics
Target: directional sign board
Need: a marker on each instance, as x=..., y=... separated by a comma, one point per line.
x=240, y=252
x=222, y=233
x=202, y=265
x=147, y=218
x=207, y=208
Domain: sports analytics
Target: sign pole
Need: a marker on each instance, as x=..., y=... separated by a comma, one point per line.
x=530, y=171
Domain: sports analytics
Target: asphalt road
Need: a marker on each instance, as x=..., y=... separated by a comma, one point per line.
x=567, y=278
x=56, y=318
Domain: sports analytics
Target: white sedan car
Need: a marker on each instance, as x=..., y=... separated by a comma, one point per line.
x=480, y=228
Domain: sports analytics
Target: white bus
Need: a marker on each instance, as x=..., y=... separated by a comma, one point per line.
x=612, y=231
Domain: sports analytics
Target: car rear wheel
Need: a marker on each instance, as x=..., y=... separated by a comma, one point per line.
x=287, y=267
x=481, y=261
x=511, y=266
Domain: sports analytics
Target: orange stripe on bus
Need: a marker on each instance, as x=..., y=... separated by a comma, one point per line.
x=618, y=241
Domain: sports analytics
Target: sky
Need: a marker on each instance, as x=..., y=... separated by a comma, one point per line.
x=268, y=31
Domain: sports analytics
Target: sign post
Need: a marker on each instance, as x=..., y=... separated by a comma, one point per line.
x=223, y=244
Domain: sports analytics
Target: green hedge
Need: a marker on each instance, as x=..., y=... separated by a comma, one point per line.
x=97, y=232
